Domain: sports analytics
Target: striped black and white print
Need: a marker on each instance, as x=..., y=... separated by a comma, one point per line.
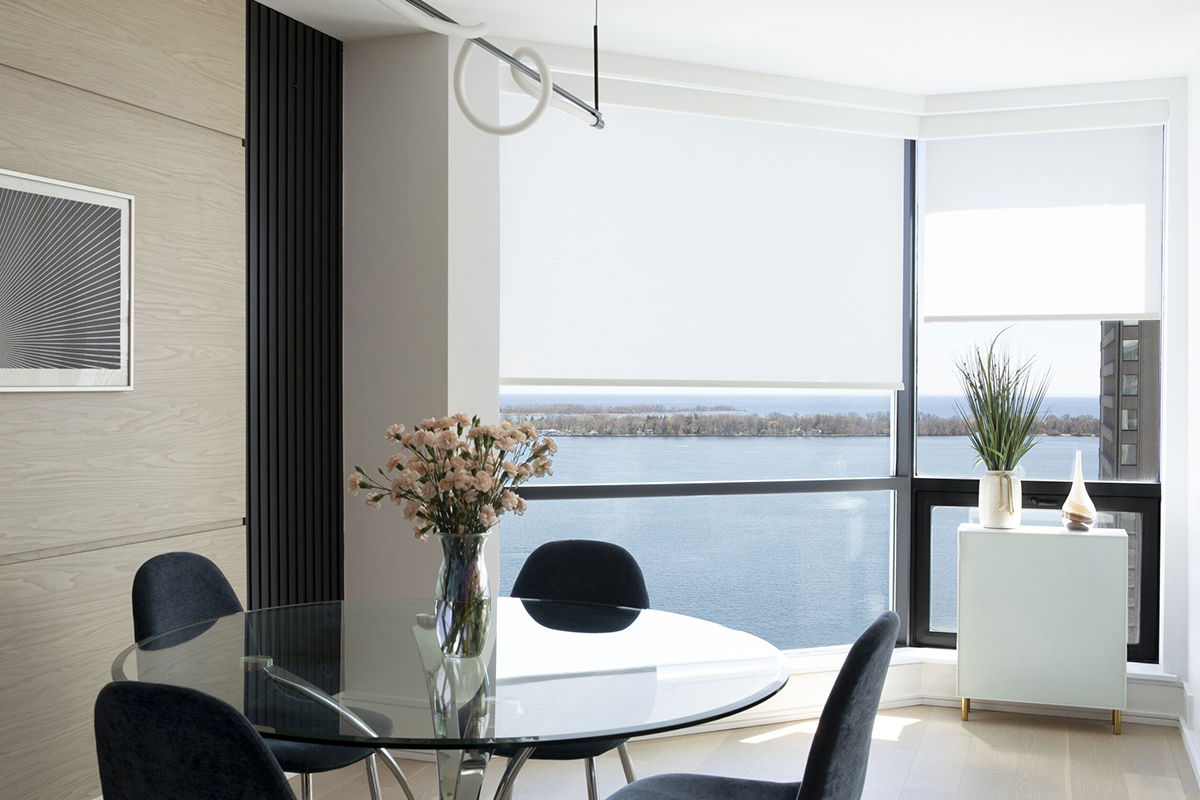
x=61, y=282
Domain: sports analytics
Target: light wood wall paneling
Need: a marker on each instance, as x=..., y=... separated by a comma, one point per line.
x=183, y=58
x=170, y=454
x=62, y=622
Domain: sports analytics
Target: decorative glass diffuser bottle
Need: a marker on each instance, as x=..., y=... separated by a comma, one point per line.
x=1079, y=512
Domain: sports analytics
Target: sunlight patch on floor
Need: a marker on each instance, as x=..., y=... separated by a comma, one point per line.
x=887, y=728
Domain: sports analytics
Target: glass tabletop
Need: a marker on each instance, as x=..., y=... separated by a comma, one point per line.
x=371, y=672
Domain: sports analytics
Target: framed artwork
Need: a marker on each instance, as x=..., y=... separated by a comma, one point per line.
x=66, y=275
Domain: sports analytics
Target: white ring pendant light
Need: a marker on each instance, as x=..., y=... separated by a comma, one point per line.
x=546, y=86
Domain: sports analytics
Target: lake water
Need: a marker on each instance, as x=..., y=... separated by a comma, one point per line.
x=800, y=570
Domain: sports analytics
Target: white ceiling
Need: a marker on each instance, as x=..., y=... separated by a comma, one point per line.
x=918, y=46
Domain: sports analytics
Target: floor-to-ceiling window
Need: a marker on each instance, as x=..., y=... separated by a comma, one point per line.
x=1053, y=242
x=750, y=377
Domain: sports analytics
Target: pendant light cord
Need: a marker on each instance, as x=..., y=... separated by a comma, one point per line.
x=596, y=56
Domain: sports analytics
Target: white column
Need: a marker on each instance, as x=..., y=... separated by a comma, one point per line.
x=420, y=276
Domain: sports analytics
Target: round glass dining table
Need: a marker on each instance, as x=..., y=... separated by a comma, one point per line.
x=372, y=673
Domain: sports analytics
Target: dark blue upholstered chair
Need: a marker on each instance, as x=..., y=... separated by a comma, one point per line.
x=176, y=589
x=154, y=740
x=581, y=571
x=837, y=760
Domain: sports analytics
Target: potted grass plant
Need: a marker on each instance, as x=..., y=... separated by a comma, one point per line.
x=1003, y=407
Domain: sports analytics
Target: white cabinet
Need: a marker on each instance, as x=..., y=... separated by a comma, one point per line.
x=1042, y=616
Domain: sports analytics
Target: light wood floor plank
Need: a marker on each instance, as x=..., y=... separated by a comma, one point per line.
x=918, y=753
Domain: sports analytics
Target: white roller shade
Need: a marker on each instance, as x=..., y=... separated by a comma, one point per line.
x=1043, y=226
x=676, y=249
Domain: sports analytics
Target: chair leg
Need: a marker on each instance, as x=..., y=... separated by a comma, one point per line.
x=626, y=763
x=504, y=790
x=306, y=786
x=589, y=766
x=397, y=773
x=373, y=778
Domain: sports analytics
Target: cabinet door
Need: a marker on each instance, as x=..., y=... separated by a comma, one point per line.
x=1042, y=617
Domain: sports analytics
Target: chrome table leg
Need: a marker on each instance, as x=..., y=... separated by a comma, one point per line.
x=626, y=763
x=460, y=773
x=373, y=778
x=389, y=761
x=589, y=766
x=504, y=790
x=306, y=786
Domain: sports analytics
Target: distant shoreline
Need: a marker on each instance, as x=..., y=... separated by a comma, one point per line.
x=695, y=422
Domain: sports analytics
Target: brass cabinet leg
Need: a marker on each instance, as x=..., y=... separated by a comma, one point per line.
x=966, y=708
x=1116, y=722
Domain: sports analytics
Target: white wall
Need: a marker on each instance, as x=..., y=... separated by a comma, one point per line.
x=420, y=278
x=1192, y=554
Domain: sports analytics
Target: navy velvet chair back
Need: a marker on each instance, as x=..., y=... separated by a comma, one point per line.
x=177, y=589
x=837, y=760
x=582, y=571
x=160, y=741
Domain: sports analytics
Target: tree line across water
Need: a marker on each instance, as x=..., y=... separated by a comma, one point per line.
x=610, y=422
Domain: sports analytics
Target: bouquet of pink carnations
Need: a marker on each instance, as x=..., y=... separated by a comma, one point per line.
x=455, y=474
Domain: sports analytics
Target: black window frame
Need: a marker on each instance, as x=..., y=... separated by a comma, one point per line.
x=1139, y=498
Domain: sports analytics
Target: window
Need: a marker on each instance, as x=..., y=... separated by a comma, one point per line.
x=1078, y=216
x=750, y=373
x=800, y=570
x=1073, y=405
x=940, y=509
x=726, y=346
x=1129, y=455
x=708, y=435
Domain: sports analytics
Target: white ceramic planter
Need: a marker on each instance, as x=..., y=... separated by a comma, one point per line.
x=1000, y=499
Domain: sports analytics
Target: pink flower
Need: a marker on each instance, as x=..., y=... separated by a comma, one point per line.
x=427, y=490
x=393, y=460
x=509, y=500
x=520, y=505
x=528, y=429
x=394, y=431
x=447, y=440
x=463, y=480
x=352, y=482
x=509, y=467
x=487, y=515
x=462, y=419
x=411, y=509
x=372, y=502
x=407, y=479
x=446, y=484
x=483, y=481
x=427, y=424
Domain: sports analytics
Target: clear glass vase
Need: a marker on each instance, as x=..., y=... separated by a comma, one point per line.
x=462, y=599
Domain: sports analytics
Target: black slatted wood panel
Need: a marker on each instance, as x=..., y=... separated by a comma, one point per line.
x=294, y=231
